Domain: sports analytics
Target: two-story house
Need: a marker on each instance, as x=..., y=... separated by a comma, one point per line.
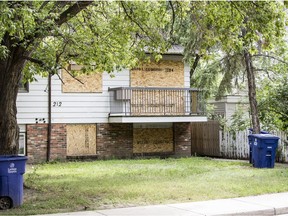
x=147, y=110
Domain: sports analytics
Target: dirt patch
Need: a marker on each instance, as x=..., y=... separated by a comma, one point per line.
x=30, y=194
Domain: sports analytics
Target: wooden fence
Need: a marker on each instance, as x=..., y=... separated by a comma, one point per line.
x=282, y=146
x=205, y=139
x=208, y=140
x=234, y=145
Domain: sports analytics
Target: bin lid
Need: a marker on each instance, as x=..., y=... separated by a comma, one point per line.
x=12, y=158
x=264, y=136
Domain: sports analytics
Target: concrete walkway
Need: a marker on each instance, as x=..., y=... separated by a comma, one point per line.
x=270, y=204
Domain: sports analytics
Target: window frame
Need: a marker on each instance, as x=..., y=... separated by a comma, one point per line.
x=23, y=144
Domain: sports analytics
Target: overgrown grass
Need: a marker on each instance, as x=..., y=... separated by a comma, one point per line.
x=75, y=186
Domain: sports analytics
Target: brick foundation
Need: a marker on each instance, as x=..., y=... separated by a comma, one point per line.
x=182, y=139
x=37, y=142
x=58, y=142
x=114, y=141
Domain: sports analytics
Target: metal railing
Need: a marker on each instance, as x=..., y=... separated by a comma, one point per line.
x=150, y=101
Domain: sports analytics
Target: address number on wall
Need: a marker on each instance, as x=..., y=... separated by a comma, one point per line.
x=56, y=103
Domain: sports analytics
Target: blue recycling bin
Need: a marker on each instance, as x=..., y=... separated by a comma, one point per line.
x=250, y=143
x=264, y=148
x=12, y=169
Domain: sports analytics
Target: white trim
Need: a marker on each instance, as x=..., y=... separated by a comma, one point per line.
x=22, y=144
x=22, y=128
x=155, y=119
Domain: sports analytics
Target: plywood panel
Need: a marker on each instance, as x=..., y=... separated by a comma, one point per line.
x=158, y=102
x=194, y=102
x=81, y=139
x=161, y=74
x=90, y=83
x=152, y=140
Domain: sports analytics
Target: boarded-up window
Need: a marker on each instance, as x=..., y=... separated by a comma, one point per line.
x=81, y=139
x=152, y=138
x=161, y=74
x=90, y=83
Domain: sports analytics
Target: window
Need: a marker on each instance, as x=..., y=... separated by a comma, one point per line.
x=22, y=144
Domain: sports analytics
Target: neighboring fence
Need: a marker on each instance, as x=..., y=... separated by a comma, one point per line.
x=282, y=146
x=234, y=145
x=208, y=140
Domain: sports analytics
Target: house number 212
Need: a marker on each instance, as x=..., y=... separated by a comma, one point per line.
x=57, y=104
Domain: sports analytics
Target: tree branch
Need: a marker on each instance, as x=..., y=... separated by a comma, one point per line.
x=266, y=71
x=36, y=61
x=40, y=63
x=173, y=17
x=44, y=3
x=72, y=11
x=269, y=56
x=60, y=77
x=72, y=75
x=64, y=17
x=134, y=21
x=195, y=64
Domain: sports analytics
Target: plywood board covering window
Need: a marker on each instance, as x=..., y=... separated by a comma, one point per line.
x=158, y=74
x=81, y=139
x=152, y=140
x=92, y=83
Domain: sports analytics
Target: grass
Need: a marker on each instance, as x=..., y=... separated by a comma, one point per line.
x=75, y=186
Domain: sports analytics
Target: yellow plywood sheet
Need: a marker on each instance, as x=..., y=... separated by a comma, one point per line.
x=81, y=139
x=152, y=140
x=194, y=102
x=90, y=83
x=160, y=74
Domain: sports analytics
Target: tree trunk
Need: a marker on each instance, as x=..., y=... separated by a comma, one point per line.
x=252, y=92
x=10, y=75
x=251, y=83
x=11, y=68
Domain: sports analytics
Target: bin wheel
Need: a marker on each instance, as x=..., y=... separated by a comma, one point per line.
x=5, y=203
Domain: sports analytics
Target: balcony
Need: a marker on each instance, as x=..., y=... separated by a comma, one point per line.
x=164, y=104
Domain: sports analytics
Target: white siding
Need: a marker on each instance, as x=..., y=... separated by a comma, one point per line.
x=219, y=107
x=230, y=110
x=186, y=76
x=75, y=107
x=33, y=104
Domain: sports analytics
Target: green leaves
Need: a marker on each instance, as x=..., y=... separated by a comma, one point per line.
x=214, y=30
x=108, y=34
x=273, y=104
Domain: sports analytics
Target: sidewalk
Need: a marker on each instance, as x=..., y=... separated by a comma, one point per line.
x=270, y=204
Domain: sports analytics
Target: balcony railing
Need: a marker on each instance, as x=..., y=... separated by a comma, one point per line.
x=150, y=101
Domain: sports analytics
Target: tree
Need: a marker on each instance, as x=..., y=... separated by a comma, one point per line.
x=234, y=32
x=273, y=103
x=42, y=37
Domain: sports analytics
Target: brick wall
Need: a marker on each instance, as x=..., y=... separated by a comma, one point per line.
x=37, y=142
x=58, y=142
x=182, y=139
x=114, y=141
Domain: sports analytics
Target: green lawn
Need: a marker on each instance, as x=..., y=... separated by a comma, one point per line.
x=73, y=186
